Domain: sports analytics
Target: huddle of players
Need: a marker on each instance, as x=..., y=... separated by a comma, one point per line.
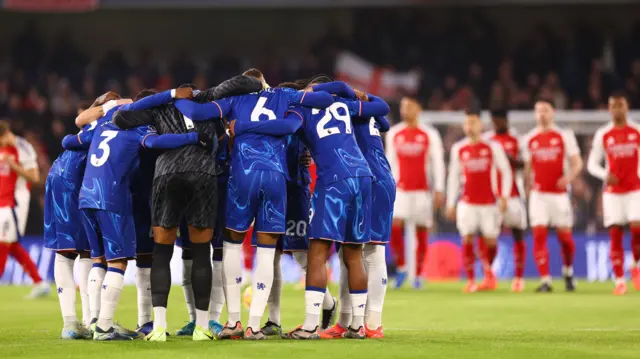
x=104, y=181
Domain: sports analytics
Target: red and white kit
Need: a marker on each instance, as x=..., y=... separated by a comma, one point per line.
x=618, y=146
x=15, y=192
x=548, y=153
x=476, y=166
x=414, y=153
x=516, y=215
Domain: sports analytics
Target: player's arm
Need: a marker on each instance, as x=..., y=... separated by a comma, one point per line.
x=390, y=150
x=596, y=158
x=453, y=183
x=32, y=175
x=502, y=164
x=130, y=119
x=435, y=158
x=338, y=88
x=320, y=99
x=75, y=142
x=383, y=123
x=158, y=99
x=203, y=111
x=278, y=127
x=234, y=86
x=374, y=107
x=575, y=160
x=149, y=138
x=94, y=113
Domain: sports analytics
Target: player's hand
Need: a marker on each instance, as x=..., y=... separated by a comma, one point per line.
x=563, y=182
x=305, y=159
x=8, y=158
x=184, y=93
x=611, y=179
x=124, y=101
x=438, y=200
x=450, y=213
x=107, y=96
x=502, y=205
x=362, y=96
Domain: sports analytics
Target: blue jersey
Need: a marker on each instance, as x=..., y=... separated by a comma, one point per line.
x=367, y=132
x=296, y=173
x=71, y=163
x=113, y=158
x=329, y=136
x=254, y=151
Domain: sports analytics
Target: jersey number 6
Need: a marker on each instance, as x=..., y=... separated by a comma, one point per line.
x=104, y=146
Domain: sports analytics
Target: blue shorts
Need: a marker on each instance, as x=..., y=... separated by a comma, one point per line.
x=259, y=195
x=111, y=235
x=63, y=221
x=183, y=240
x=298, y=209
x=219, y=234
x=142, y=220
x=383, y=195
x=341, y=211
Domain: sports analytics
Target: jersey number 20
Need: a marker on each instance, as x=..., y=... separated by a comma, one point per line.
x=330, y=113
x=104, y=146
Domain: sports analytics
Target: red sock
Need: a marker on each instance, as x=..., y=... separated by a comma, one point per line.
x=20, y=254
x=617, y=252
x=483, y=253
x=247, y=250
x=540, y=250
x=397, y=245
x=568, y=247
x=421, y=251
x=492, y=252
x=4, y=255
x=635, y=243
x=468, y=260
x=519, y=255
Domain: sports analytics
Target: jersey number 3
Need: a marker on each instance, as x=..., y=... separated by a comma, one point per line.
x=331, y=113
x=104, y=146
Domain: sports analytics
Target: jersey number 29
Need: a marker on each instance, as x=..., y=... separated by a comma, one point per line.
x=332, y=113
x=104, y=146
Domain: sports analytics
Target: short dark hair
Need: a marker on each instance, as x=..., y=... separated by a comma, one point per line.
x=499, y=113
x=188, y=85
x=472, y=112
x=253, y=72
x=144, y=93
x=5, y=127
x=619, y=94
x=320, y=79
x=296, y=85
x=546, y=100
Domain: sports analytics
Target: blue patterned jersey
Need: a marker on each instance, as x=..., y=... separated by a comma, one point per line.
x=112, y=160
x=71, y=163
x=253, y=151
x=367, y=132
x=296, y=173
x=329, y=136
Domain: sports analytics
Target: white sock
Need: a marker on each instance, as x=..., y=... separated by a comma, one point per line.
x=313, y=308
x=261, y=286
x=327, y=301
x=358, y=304
x=546, y=279
x=301, y=259
x=187, y=264
x=232, y=278
x=143, y=285
x=621, y=281
x=202, y=318
x=345, y=298
x=111, y=290
x=276, y=290
x=96, y=277
x=216, y=303
x=376, y=265
x=567, y=271
x=84, y=267
x=63, y=275
x=159, y=318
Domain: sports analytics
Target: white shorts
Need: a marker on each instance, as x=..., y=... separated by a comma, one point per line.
x=621, y=208
x=516, y=215
x=550, y=210
x=478, y=218
x=414, y=206
x=8, y=229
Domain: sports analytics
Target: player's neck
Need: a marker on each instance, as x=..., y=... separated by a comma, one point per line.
x=413, y=123
x=474, y=139
x=620, y=122
x=544, y=128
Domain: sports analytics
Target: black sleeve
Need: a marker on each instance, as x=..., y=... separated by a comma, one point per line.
x=130, y=119
x=235, y=86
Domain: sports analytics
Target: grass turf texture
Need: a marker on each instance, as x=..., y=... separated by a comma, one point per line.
x=439, y=322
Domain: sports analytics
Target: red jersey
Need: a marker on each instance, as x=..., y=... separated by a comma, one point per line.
x=11, y=185
x=618, y=146
x=510, y=145
x=548, y=153
x=412, y=152
x=477, y=164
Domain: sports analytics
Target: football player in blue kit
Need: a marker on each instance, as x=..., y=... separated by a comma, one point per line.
x=256, y=189
x=341, y=206
x=105, y=198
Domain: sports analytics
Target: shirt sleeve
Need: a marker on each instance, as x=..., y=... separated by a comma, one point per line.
x=130, y=119
x=238, y=85
x=319, y=99
x=383, y=123
x=374, y=107
x=571, y=144
x=149, y=138
x=453, y=180
x=502, y=165
x=436, y=160
x=596, y=157
x=203, y=111
x=148, y=102
x=524, y=149
x=391, y=152
x=338, y=88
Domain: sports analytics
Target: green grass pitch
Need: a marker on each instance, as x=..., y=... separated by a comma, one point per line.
x=438, y=322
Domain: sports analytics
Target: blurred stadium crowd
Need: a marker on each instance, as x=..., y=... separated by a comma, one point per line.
x=42, y=83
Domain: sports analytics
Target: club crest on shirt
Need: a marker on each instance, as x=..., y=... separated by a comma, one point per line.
x=508, y=145
x=484, y=152
x=632, y=136
x=421, y=138
x=535, y=144
x=554, y=141
x=611, y=141
x=465, y=155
